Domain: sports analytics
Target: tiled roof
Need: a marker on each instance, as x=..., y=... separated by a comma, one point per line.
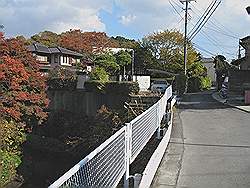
x=36, y=47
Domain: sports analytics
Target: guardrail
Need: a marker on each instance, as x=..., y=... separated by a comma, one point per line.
x=105, y=166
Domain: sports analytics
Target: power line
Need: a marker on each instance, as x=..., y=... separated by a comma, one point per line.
x=200, y=19
x=205, y=20
x=202, y=49
x=214, y=25
x=175, y=8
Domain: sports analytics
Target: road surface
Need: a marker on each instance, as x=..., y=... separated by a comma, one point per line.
x=210, y=146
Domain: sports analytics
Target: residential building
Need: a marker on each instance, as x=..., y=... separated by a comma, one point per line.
x=50, y=57
x=244, y=62
x=209, y=64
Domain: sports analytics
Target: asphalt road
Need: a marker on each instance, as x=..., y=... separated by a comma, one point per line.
x=210, y=146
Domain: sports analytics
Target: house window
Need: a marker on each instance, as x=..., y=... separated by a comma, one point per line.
x=42, y=58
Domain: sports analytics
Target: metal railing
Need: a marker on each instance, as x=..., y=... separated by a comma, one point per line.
x=105, y=166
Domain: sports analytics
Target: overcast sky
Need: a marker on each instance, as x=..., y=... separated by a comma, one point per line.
x=129, y=18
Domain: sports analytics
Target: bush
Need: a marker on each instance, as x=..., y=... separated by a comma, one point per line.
x=181, y=80
x=206, y=83
x=95, y=86
x=119, y=88
x=196, y=84
x=122, y=88
x=11, y=137
x=8, y=163
x=100, y=74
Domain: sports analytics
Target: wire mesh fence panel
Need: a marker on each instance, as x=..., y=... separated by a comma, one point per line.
x=104, y=167
x=143, y=129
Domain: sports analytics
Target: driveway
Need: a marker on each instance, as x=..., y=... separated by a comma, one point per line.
x=210, y=146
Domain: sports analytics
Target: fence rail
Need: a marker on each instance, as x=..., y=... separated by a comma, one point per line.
x=105, y=166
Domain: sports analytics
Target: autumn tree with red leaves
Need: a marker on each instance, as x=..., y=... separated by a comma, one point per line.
x=23, y=87
x=85, y=42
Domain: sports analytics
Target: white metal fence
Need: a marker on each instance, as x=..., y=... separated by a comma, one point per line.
x=105, y=166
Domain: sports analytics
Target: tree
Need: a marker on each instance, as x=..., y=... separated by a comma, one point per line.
x=85, y=42
x=23, y=96
x=122, y=42
x=108, y=62
x=123, y=58
x=167, y=48
x=46, y=38
x=100, y=74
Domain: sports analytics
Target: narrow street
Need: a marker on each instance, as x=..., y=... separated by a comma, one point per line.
x=209, y=148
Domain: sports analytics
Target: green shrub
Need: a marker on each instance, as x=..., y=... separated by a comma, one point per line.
x=119, y=88
x=8, y=163
x=100, y=74
x=95, y=86
x=196, y=84
x=11, y=137
x=181, y=80
x=206, y=83
x=122, y=87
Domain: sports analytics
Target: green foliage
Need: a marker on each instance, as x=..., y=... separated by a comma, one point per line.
x=8, y=163
x=180, y=83
x=11, y=137
x=122, y=42
x=100, y=74
x=61, y=78
x=95, y=86
x=119, y=88
x=122, y=88
x=123, y=58
x=206, y=83
x=199, y=83
x=107, y=61
x=167, y=48
x=47, y=38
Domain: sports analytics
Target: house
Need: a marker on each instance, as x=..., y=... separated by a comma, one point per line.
x=244, y=62
x=50, y=57
x=209, y=64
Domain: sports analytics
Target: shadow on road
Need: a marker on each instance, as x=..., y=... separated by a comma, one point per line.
x=200, y=101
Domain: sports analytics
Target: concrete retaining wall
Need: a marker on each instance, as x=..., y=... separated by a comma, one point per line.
x=80, y=101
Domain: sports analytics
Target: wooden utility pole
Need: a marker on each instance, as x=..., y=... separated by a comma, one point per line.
x=185, y=36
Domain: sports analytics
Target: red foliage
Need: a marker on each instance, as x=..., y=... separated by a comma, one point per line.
x=85, y=42
x=23, y=96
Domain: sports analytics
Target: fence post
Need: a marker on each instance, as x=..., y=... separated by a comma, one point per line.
x=158, y=121
x=128, y=135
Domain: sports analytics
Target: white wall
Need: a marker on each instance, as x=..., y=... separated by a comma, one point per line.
x=81, y=79
x=143, y=81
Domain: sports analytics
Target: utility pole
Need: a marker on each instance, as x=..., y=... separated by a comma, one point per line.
x=185, y=36
x=239, y=54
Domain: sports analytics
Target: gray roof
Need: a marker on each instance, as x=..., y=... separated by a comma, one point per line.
x=207, y=60
x=40, y=48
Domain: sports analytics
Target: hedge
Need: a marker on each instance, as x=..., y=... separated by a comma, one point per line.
x=58, y=83
x=112, y=87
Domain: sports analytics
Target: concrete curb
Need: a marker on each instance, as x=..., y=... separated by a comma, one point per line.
x=216, y=97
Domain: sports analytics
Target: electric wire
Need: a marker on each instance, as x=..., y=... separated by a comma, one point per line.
x=209, y=16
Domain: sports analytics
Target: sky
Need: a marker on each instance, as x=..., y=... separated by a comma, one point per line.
x=132, y=19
